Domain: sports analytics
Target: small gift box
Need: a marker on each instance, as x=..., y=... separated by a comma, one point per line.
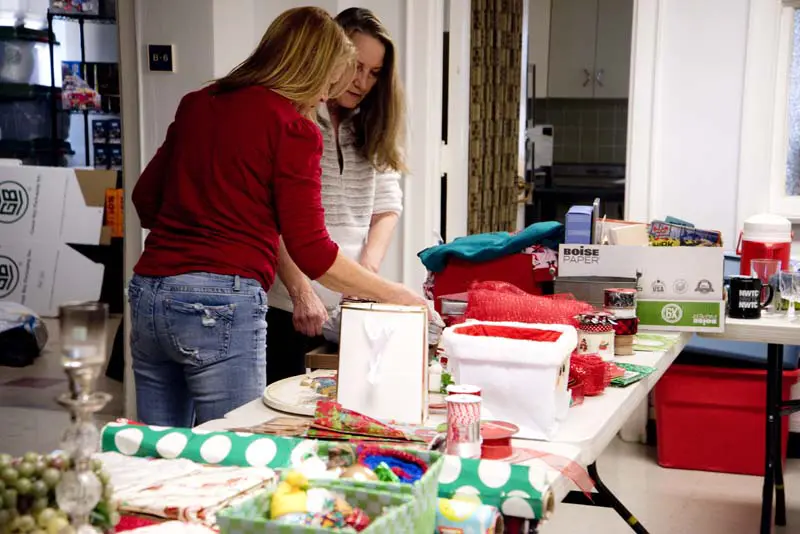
x=383, y=361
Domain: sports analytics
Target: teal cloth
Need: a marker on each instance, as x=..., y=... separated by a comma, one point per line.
x=484, y=247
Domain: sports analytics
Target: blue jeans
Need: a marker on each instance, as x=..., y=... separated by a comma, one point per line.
x=199, y=346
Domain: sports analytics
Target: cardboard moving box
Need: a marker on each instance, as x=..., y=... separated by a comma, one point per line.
x=42, y=211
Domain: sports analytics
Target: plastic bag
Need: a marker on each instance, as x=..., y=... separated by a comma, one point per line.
x=23, y=335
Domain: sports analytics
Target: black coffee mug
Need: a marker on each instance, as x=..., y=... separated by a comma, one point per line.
x=745, y=297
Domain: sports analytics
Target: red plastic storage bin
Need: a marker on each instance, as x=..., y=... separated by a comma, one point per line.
x=714, y=419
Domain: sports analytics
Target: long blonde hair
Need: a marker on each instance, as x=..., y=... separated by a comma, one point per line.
x=299, y=54
x=380, y=123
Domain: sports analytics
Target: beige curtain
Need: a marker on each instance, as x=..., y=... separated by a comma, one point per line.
x=494, y=114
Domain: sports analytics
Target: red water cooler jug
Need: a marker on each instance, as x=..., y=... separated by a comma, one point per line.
x=765, y=237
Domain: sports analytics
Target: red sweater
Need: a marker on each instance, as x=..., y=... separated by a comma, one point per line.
x=236, y=171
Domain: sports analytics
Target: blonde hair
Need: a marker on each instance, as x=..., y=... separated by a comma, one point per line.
x=380, y=123
x=297, y=57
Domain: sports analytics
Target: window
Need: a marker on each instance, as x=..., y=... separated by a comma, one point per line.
x=792, y=182
x=785, y=190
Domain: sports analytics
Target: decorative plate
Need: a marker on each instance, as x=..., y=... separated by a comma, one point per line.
x=295, y=395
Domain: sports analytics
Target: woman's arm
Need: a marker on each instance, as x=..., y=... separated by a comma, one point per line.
x=149, y=190
x=386, y=212
x=298, y=203
x=290, y=274
x=381, y=230
x=309, y=313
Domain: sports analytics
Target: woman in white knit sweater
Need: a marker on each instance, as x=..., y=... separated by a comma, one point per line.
x=362, y=158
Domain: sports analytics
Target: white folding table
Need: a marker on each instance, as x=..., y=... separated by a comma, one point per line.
x=776, y=331
x=582, y=438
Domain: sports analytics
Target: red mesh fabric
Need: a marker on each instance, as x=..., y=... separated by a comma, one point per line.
x=510, y=332
x=501, y=301
x=591, y=370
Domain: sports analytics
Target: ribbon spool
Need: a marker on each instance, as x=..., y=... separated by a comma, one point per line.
x=463, y=389
x=626, y=326
x=496, y=436
x=621, y=313
x=463, y=426
x=618, y=297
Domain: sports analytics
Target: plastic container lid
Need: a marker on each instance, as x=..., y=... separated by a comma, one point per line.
x=767, y=228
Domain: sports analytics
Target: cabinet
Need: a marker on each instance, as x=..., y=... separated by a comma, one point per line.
x=590, y=48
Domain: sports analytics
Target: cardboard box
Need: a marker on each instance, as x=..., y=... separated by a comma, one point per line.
x=42, y=211
x=686, y=316
x=680, y=288
x=323, y=357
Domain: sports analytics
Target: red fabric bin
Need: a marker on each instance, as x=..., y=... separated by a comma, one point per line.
x=714, y=419
x=516, y=269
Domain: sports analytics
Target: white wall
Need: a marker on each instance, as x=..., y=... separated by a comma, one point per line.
x=188, y=26
x=686, y=112
x=210, y=37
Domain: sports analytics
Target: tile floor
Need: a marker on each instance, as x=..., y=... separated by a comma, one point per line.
x=665, y=500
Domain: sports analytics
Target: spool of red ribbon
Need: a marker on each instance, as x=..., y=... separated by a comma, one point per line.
x=496, y=440
x=626, y=327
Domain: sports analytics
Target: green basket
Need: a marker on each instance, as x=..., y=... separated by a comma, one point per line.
x=424, y=493
x=250, y=516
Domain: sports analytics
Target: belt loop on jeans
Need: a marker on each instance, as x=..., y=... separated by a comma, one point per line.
x=237, y=283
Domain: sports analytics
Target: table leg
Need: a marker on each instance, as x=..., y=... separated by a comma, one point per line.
x=780, y=494
x=603, y=497
x=517, y=525
x=772, y=465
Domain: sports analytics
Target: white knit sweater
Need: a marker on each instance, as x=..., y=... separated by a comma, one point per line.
x=350, y=198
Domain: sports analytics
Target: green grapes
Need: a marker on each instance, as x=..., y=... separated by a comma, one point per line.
x=27, y=496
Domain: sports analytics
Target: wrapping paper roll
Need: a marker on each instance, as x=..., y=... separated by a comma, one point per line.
x=467, y=517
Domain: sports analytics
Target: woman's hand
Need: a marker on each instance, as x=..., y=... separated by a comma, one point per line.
x=309, y=313
x=403, y=296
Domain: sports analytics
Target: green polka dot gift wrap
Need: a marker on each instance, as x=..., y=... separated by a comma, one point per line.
x=390, y=514
x=221, y=448
x=516, y=490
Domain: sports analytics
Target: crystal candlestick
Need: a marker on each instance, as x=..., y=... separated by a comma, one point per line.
x=83, y=345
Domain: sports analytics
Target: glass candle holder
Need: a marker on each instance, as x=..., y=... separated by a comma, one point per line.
x=84, y=343
x=83, y=355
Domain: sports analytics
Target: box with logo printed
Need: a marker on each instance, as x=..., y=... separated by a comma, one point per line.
x=43, y=210
x=680, y=288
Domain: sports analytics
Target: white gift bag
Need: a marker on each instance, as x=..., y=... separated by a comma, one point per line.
x=383, y=361
x=522, y=370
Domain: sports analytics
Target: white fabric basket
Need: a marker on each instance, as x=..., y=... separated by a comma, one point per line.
x=523, y=382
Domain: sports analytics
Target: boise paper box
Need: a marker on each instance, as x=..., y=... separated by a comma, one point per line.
x=680, y=288
x=383, y=361
x=42, y=211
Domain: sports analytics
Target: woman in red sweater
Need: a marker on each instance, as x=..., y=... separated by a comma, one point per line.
x=240, y=167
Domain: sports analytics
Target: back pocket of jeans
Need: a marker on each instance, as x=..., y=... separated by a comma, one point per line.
x=201, y=333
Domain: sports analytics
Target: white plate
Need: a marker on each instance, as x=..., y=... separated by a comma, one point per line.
x=290, y=396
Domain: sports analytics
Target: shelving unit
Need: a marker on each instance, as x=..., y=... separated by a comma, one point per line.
x=55, y=109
